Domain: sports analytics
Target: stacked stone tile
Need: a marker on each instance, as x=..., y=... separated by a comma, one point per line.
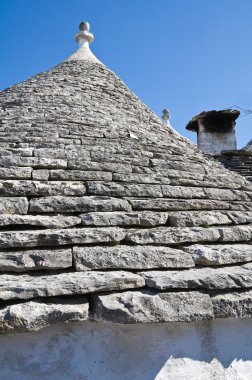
x=107, y=214
x=239, y=160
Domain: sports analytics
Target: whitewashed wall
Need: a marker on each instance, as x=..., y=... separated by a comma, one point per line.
x=213, y=142
x=216, y=350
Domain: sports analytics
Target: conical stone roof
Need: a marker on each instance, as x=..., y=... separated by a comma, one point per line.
x=108, y=214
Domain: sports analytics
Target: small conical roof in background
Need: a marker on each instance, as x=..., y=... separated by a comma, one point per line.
x=248, y=146
x=104, y=208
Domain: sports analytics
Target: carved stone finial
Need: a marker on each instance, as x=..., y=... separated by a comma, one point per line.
x=84, y=34
x=166, y=116
x=84, y=38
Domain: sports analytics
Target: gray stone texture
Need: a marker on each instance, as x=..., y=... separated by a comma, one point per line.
x=232, y=304
x=48, y=221
x=41, y=188
x=201, y=278
x=34, y=315
x=91, y=182
x=78, y=204
x=144, y=307
x=144, y=218
x=40, y=238
x=18, y=205
x=20, y=261
x=172, y=235
x=220, y=254
x=26, y=286
x=197, y=218
x=129, y=257
x=177, y=204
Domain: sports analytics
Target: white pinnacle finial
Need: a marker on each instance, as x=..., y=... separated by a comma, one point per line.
x=84, y=34
x=84, y=38
x=166, y=117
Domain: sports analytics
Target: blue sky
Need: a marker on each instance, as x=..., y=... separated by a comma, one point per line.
x=186, y=55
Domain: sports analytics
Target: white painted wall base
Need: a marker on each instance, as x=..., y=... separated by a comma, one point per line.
x=216, y=350
x=214, y=142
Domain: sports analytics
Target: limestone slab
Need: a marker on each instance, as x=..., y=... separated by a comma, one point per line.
x=62, y=153
x=180, y=166
x=172, y=235
x=26, y=286
x=144, y=307
x=51, y=221
x=197, y=218
x=122, y=190
x=34, y=162
x=34, y=315
x=140, y=178
x=232, y=304
x=80, y=175
x=42, y=188
x=100, y=166
x=220, y=254
x=14, y=205
x=40, y=238
x=240, y=217
x=201, y=278
x=15, y=173
x=119, y=158
x=165, y=204
x=40, y=174
x=236, y=233
x=78, y=204
x=130, y=257
x=144, y=218
x=204, y=192
x=20, y=261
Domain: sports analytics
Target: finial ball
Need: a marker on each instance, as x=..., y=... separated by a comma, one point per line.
x=166, y=112
x=84, y=26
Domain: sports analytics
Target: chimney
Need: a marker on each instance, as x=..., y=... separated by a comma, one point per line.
x=215, y=130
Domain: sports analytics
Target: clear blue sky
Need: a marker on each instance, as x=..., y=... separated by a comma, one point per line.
x=187, y=55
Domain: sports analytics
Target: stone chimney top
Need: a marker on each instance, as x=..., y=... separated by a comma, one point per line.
x=214, y=119
x=215, y=130
x=84, y=38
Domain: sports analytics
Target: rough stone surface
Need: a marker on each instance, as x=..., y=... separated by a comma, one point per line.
x=34, y=315
x=198, y=192
x=52, y=221
x=122, y=190
x=240, y=217
x=130, y=257
x=27, y=286
x=15, y=173
x=78, y=204
x=14, y=205
x=232, y=305
x=32, y=238
x=220, y=254
x=197, y=218
x=145, y=218
x=237, y=233
x=104, y=166
x=78, y=175
x=20, y=261
x=33, y=162
x=172, y=235
x=87, y=168
x=177, y=204
x=40, y=174
x=146, y=307
x=32, y=188
x=202, y=278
